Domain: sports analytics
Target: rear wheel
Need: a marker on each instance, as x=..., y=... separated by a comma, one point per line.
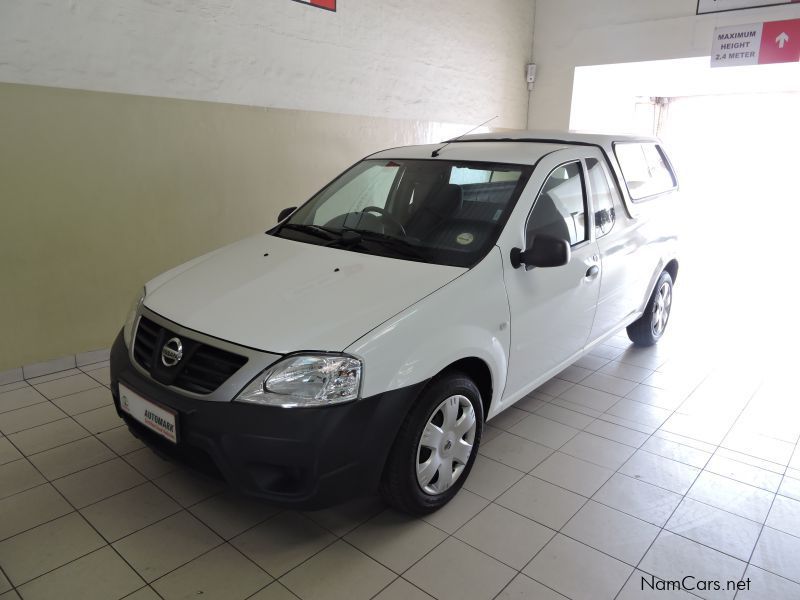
x=436, y=446
x=649, y=328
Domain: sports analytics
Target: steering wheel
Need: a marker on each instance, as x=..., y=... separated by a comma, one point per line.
x=385, y=214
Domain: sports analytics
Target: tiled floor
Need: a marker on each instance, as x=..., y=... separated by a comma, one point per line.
x=672, y=461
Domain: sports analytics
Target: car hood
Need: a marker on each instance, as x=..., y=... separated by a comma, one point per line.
x=282, y=296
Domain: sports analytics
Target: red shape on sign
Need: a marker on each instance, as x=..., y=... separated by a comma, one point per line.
x=329, y=4
x=780, y=42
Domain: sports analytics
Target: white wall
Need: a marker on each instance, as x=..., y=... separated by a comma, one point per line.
x=456, y=61
x=571, y=33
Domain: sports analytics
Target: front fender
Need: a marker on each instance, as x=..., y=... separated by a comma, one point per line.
x=469, y=317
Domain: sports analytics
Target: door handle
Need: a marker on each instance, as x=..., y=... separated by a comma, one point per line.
x=592, y=272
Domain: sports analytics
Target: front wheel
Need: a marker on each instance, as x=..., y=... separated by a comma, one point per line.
x=649, y=328
x=435, y=447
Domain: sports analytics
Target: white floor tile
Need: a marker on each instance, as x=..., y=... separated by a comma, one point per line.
x=572, y=473
x=748, y=459
x=639, y=412
x=598, y=450
x=554, y=387
x=543, y=502
x=574, y=373
x=508, y=418
x=340, y=572
x=544, y=431
x=578, y=408
x=617, y=433
x=99, y=575
x=577, y=571
x=768, y=586
x=739, y=498
x=779, y=553
x=606, y=351
x=754, y=476
x=457, y=512
x=564, y=415
x=644, y=586
x=523, y=587
x=611, y=531
x=715, y=528
x=507, y=536
x=660, y=471
x=678, y=452
x=608, y=383
x=221, y=573
x=673, y=557
x=648, y=502
x=590, y=397
x=790, y=488
x=685, y=441
x=490, y=478
x=395, y=540
x=656, y=397
x=785, y=515
x=626, y=371
x=456, y=571
x=627, y=423
x=591, y=362
x=515, y=451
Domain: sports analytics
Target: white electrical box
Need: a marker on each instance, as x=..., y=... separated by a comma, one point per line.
x=530, y=74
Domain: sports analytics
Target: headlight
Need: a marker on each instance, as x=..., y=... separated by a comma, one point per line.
x=306, y=380
x=127, y=330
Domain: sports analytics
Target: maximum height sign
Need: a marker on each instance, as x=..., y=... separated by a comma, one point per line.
x=756, y=44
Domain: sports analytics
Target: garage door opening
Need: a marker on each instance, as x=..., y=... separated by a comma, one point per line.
x=733, y=136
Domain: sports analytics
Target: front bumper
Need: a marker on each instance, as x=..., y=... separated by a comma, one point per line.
x=301, y=457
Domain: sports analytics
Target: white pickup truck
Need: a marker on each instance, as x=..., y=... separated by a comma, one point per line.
x=362, y=342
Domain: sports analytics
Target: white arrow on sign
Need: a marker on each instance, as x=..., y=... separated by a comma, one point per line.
x=782, y=39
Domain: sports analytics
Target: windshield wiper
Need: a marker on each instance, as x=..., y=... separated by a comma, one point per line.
x=398, y=244
x=317, y=230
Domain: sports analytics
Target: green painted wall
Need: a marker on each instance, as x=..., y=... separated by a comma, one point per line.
x=100, y=192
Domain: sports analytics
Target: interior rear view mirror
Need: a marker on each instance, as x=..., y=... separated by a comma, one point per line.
x=544, y=251
x=286, y=212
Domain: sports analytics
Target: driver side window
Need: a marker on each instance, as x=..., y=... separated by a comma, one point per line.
x=370, y=188
x=560, y=209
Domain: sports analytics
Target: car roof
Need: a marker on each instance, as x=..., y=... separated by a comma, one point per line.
x=568, y=137
x=486, y=151
x=517, y=146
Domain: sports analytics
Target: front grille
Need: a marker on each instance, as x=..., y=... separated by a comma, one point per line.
x=209, y=368
x=144, y=347
x=201, y=370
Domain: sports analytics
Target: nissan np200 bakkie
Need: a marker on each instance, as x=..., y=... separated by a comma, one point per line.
x=362, y=343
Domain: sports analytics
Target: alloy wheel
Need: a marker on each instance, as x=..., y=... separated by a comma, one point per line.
x=663, y=304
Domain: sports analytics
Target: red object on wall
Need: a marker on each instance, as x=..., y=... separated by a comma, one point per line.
x=326, y=4
x=329, y=4
x=780, y=42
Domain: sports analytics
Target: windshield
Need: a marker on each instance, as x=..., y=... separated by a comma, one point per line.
x=436, y=211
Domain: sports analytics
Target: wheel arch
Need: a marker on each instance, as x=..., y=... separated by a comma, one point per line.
x=477, y=370
x=672, y=268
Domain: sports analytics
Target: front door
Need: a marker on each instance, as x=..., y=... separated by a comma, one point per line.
x=552, y=309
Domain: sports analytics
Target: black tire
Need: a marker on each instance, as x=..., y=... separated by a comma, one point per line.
x=399, y=485
x=643, y=332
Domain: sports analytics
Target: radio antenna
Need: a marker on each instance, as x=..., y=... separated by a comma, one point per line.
x=436, y=152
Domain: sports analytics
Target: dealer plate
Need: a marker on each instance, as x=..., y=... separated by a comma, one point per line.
x=159, y=419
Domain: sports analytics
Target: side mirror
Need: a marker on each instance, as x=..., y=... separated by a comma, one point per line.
x=285, y=213
x=544, y=251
